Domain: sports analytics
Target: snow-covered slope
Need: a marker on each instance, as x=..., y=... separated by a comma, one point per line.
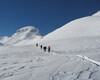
x=77, y=37
x=97, y=14
x=75, y=54
x=25, y=35
x=3, y=39
x=83, y=27
x=31, y=63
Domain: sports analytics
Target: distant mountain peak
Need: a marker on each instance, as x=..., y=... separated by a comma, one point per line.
x=25, y=29
x=23, y=34
x=97, y=13
x=28, y=29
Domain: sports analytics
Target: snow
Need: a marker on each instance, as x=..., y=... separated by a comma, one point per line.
x=23, y=35
x=83, y=27
x=75, y=53
x=3, y=39
x=29, y=41
x=84, y=57
x=97, y=14
x=29, y=62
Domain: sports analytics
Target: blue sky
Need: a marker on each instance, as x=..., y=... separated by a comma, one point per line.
x=46, y=15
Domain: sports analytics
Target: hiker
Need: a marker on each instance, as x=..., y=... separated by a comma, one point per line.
x=44, y=48
x=41, y=46
x=36, y=44
x=49, y=48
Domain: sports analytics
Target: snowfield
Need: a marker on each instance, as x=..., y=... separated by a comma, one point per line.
x=29, y=62
x=75, y=52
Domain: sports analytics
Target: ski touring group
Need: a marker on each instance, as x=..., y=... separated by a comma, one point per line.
x=44, y=48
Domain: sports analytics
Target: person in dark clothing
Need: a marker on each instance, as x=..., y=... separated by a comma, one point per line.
x=41, y=46
x=44, y=48
x=49, y=48
x=36, y=44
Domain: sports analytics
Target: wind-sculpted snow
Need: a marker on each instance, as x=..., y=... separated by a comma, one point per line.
x=30, y=63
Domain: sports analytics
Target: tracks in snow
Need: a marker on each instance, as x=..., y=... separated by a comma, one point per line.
x=80, y=56
x=88, y=59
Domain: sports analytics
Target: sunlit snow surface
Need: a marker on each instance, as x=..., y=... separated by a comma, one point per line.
x=31, y=63
x=75, y=53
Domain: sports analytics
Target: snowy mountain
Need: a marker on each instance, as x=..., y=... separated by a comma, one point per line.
x=76, y=37
x=75, y=53
x=83, y=27
x=24, y=35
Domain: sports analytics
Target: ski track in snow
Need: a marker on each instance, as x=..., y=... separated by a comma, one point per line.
x=91, y=60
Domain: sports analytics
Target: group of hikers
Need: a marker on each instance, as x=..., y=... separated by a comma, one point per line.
x=44, y=48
